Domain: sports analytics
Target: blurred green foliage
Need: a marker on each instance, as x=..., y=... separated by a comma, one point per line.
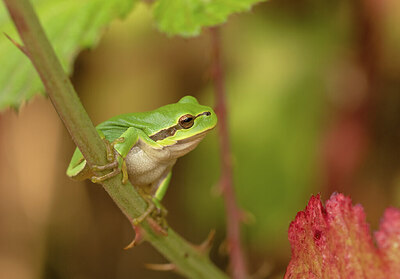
x=69, y=25
x=186, y=18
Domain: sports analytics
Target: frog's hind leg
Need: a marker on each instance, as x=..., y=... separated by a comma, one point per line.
x=161, y=212
x=150, y=208
x=161, y=189
x=154, y=209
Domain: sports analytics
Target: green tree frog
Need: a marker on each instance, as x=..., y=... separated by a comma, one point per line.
x=146, y=145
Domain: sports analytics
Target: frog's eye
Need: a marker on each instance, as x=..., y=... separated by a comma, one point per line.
x=186, y=121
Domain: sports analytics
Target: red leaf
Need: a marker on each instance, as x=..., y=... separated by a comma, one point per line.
x=335, y=242
x=388, y=240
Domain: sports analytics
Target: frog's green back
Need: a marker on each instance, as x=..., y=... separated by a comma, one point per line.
x=151, y=122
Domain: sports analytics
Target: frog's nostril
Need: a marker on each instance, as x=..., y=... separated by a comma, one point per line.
x=207, y=113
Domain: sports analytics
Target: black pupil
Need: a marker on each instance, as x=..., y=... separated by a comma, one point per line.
x=186, y=121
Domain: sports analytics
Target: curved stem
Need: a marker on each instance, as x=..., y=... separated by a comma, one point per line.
x=188, y=260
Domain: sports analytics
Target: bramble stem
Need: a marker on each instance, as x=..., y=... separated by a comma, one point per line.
x=188, y=260
x=237, y=260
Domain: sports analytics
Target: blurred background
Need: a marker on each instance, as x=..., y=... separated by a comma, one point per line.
x=314, y=107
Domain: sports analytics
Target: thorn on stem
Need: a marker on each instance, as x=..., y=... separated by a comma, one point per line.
x=220, y=187
x=205, y=246
x=139, y=233
x=132, y=244
x=161, y=267
x=138, y=238
x=216, y=190
x=21, y=47
x=264, y=271
x=246, y=217
x=223, y=248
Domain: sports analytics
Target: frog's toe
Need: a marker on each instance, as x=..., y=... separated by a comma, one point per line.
x=149, y=210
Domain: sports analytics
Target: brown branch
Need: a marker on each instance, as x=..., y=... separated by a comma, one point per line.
x=237, y=262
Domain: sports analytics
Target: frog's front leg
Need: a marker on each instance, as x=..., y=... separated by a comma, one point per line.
x=112, y=158
x=116, y=153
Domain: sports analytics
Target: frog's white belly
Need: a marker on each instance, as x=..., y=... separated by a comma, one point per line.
x=148, y=165
x=144, y=168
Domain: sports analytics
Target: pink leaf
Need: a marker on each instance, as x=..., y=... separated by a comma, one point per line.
x=388, y=240
x=335, y=242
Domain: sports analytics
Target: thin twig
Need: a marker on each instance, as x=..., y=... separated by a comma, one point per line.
x=237, y=260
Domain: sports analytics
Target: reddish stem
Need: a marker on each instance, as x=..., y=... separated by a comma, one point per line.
x=237, y=262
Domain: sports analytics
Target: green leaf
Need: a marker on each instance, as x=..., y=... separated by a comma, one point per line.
x=70, y=25
x=187, y=17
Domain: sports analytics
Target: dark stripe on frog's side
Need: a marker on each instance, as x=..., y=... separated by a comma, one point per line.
x=169, y=132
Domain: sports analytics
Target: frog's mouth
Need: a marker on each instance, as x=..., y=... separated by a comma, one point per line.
x=184, y=146
x=195, y=137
